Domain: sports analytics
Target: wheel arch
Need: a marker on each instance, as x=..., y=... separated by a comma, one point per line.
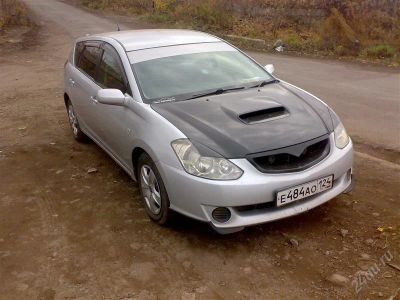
x=140, y=148
x=136, y=153
x=66, y=99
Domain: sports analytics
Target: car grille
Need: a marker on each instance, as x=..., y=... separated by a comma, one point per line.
x=292, y=159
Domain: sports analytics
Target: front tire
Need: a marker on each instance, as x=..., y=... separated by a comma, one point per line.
x=153, y=192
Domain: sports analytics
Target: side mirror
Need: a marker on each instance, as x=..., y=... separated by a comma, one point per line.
x=270, y=68
x=111, y=97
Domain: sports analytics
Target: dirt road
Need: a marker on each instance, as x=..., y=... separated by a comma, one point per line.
x=67, y=234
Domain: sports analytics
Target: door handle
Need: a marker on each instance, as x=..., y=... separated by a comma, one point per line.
x=93, y=98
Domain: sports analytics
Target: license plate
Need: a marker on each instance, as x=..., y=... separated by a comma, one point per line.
x=304, y=190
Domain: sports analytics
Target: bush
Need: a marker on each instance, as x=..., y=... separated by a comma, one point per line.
x=335, y=32
x=12, y=13
x=293, y=41
x=163, y=5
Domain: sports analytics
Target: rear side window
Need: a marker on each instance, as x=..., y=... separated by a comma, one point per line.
x=111, y=73
x=78, y=51
x=89, y=59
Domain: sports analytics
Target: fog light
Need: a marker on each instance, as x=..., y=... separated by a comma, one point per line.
x=221, y=214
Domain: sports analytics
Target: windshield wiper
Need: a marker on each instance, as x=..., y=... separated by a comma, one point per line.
x=265, y=82
x=216, y=92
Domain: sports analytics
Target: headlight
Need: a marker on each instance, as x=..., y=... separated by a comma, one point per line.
x=217, y=168
x=341, y=137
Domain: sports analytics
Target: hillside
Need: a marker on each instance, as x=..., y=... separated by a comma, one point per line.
x=363, y=29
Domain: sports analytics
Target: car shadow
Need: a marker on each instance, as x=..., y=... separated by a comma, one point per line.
x=308, y=221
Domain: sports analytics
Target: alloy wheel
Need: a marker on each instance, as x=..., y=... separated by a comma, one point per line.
x=150, y=189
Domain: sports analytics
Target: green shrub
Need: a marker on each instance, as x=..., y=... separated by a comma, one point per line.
x=379, y=51
x=294, y=42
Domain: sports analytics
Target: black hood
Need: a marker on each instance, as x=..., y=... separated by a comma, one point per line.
x=250, y=121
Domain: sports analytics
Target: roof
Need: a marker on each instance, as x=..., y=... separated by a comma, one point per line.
x=133, y=40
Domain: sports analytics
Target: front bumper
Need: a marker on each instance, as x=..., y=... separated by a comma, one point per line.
x=197, y=197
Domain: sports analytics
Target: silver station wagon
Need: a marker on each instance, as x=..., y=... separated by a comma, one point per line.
x=204, y=129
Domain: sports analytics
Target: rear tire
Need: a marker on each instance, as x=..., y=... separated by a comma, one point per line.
x=152, y=190
x=73, y=122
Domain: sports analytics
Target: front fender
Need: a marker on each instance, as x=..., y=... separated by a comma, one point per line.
x=154, y=134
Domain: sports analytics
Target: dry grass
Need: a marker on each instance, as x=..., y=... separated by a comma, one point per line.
x=345, y=28
x=12, y=13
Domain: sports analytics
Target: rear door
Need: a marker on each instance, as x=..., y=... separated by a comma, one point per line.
x=84, y=87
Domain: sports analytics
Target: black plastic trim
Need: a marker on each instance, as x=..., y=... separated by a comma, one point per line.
x=294, y=150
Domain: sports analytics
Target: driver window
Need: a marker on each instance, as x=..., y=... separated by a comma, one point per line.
x=110, y=73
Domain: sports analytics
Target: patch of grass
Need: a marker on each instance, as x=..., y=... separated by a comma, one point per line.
x=159, y=18
x=379, y=51
x=293, y=41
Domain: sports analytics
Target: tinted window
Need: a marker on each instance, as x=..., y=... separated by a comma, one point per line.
x=78, y=51
x=110, y=73
x=88, y=60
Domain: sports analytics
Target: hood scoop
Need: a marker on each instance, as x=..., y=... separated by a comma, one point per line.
x=264, y=115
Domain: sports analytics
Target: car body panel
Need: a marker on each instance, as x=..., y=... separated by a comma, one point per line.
x=317, y=104
x=82, y=89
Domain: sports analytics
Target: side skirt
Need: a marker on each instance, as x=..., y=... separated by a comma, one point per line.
x=111, y=154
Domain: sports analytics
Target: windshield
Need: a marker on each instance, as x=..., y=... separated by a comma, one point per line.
x=180, y=77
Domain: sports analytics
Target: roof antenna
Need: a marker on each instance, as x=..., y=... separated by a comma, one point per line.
x=118, y=29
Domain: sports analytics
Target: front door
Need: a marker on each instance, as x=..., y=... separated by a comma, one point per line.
x=113, y=123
